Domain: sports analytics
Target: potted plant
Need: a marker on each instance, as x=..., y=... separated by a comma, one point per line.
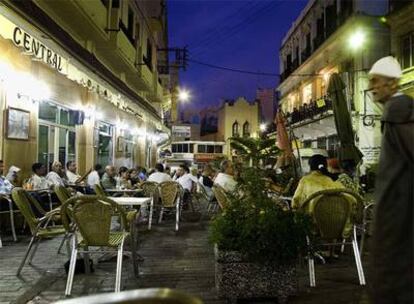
x=257, y=243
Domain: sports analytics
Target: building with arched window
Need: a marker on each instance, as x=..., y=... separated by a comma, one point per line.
x=237, y=118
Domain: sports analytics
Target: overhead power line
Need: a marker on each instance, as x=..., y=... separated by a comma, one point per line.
x=213, y=66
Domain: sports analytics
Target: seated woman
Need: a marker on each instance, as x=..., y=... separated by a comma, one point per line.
x=207, y=182
x=124, y=178
x=346, y=177
x=317, y=180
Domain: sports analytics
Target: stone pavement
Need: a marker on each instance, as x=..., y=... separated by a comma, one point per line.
x=182, y=260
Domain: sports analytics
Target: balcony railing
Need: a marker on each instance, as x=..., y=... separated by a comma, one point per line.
x=310, y=111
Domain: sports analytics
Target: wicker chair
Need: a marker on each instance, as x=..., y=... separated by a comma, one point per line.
x=138, y=296
x=6, y=199
x=149, y=188
x=170, y=195
x=92, y=215
x=99, y=190
x=38, y=226
x=332, y=210
x=221, y=196
x=62, y=193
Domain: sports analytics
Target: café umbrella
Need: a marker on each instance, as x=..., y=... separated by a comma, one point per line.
x=283, y=143
x=347, y=150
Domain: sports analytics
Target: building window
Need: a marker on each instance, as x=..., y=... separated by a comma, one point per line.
x=218, y=149
x=246, y=129
x=307, y=94
x=407, y=51
x=235, y=129
x=148, y=56
x=105, y=143
x=321, y=142
x=202, y=148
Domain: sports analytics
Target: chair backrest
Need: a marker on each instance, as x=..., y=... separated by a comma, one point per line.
x=92, y=215
x=62, y=193
x=168, y=193
x=137, y=296
x=202, y=191
x=99, y=190
x=149, y=188
x=332, y=209
x=221, y=196
x=24, y=203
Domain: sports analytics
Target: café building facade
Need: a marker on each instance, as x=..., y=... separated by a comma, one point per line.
x=56, y=107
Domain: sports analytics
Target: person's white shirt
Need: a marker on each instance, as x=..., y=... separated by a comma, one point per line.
x=39, y=182
x=93, y=178
x=186, y=181
x=159, y=177
x=55, y=179
x=72, y=177
x=226, y=181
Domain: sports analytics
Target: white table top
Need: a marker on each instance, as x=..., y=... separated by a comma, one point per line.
x=124, y=190
x=131, y=200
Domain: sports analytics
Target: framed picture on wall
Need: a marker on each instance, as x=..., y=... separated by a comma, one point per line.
x=120, y=144
x=17, y=124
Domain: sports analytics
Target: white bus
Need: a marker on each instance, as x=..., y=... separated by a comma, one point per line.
x=194, y=154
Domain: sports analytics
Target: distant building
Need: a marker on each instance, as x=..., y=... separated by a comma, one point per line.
x=184, y=131
x=267, y=103
x=237, y=118
x=209, y=121
x=401, y=22
x=337, y=36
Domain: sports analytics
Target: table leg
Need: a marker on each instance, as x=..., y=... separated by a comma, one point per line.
x=151, y=212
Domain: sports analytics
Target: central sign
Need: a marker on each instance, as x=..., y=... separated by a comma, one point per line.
x=33, y=46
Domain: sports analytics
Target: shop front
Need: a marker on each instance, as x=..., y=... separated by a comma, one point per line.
x=55, y=109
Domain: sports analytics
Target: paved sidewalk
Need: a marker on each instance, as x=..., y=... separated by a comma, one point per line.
x=182, y=260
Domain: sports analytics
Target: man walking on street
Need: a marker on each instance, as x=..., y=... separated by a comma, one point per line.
x=392, y=250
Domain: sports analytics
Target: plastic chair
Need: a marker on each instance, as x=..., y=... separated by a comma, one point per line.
x=332, y=210
x=138, y=296
x=91, y=216
x=6, y=198
x=170, y=195
x=38, y=226
x=221, y=196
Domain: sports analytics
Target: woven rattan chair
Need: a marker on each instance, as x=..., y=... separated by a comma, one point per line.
x=138, y=296
x=150, y=189
x=203, y=195
x=91, y=216
x=221, y=196
x=62, y=193
x=38, y=226
x=99, y=190
x=170, y=195
x=5, y=199
x=332, y=210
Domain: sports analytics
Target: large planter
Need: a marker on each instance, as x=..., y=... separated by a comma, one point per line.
x=237, y=278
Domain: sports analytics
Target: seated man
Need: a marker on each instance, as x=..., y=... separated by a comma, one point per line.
x=5, y=185
x=185, y=179
x=56, y=176
x=94, y=177
x=38, y=179
x=12, y=175
x=225, y=178
x=108, y=179
x=159, y=176
x=207, y=182
x=71, y=174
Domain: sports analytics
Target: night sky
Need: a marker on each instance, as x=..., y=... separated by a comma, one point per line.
x=236, y=34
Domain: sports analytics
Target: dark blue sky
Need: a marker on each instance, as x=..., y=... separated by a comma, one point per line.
x=237, y=34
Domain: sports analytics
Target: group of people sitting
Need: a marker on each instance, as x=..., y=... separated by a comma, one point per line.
x=324, y=176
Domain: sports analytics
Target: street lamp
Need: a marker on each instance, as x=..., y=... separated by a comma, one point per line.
x=183, y=95
x=357, y=39
x=262, y=127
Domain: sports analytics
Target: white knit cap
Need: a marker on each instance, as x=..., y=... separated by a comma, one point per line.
x=386, y=66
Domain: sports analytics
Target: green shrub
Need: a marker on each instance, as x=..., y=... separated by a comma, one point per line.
x=257, y=226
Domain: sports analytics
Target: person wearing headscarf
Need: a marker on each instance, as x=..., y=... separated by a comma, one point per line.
x=393, y=230
x=12, y=175
x=56, y=175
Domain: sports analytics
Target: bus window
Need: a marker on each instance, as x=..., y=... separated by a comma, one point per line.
x=180, y=148
x=201, y=148
x=185, y=148
x=210, y=149
x=191, y=148
x=174, y=148
x=218, y=149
